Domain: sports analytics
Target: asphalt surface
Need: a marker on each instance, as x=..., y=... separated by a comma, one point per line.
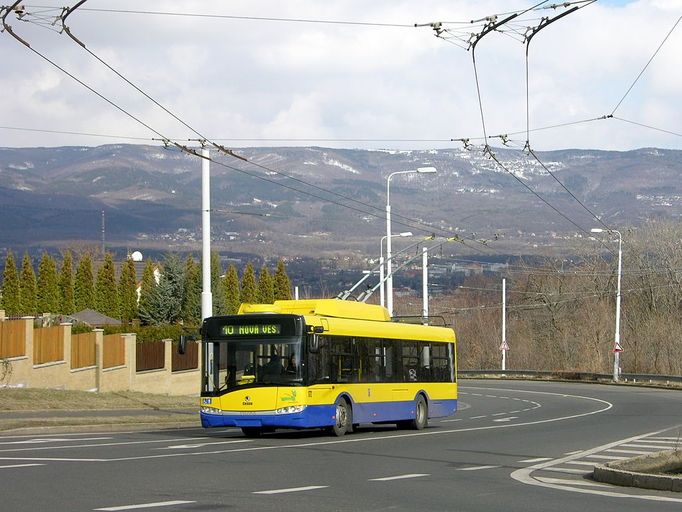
x=513, y=446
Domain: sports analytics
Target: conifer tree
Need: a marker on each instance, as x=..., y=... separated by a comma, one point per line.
x=191, y=293
x=219, y=306
x=282, y=284
x=165, y=303
x=11, y=298
x=48, y=285
x=249, y=292
x=266, y=286
x=232, y=290
x=84, y=284
x=127, y=292
x=106, y=291
x=146, y=289
x=66, y=301
x=27, y=287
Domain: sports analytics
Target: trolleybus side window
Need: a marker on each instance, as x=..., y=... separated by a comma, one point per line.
x=370, y=360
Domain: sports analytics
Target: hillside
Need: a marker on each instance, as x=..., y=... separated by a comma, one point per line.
x=151, y=196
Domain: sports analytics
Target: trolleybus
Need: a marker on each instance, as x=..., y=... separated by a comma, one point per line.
x=324, y=363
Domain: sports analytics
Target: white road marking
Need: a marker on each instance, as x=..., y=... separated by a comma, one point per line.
x=652, y=447
x=570, y=482
x=398, y=477
x=499, y=414
x=54, y=440
x=567, y=470
x=573, y=453
x=524, y=475
x=606, y=457
x=146, y=505
x=581, y=463
x=53, y=459
x=200, y=445
x=478, y=417
x=451, y=421
x=94, y=445
x=633, y=452
x=20, y=466
x=435, y=432
x=292, y=489
x=508, y=418
x=476, y=468
x=606, y=407
x=664, y=438
x=539, y=459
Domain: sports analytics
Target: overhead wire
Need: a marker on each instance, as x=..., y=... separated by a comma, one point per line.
x=528, y=37
x=646, y=66
x=168, y=141
x=490, y=26
x=68, y=11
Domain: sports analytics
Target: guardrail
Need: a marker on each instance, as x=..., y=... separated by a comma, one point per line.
x=577, y=376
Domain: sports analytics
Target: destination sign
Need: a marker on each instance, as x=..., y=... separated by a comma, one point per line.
x=252, y=330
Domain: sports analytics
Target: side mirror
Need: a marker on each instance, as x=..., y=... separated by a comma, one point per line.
x=182, y=345
x=313, y=343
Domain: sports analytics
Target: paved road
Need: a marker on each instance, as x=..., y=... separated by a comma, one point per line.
x=513, y=446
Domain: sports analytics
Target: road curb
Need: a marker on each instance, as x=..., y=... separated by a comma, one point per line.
x=646, y=471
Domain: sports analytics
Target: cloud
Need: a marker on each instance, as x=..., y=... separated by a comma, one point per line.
x=274, y=79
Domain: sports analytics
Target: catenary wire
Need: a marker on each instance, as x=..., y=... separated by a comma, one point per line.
x=69, y=11
x=191, y=151
x=646, y=65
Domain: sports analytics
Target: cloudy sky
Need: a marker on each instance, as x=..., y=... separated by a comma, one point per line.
x=249, y=81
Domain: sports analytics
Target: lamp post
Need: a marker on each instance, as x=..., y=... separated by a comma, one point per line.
x=617, y=348
x=382, y=300
x=389, y=275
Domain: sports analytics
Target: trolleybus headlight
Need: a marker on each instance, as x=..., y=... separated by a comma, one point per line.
x=292, y=409
x=210, y=410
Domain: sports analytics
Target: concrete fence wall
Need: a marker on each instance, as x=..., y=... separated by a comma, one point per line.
x=22, y=370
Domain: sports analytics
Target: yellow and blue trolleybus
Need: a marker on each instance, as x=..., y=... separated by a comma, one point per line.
x=324, y=363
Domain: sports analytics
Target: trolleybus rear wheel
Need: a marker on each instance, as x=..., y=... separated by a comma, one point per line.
x=421, y=416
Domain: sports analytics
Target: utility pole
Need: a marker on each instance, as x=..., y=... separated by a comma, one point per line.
x=206, y=295
x=103, y=235
x=425, y=285
x=504, y=347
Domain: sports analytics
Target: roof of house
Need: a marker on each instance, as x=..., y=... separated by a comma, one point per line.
x=94, y=318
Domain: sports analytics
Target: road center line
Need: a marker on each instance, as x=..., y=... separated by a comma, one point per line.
x=292, y=489
x=398, y=477
x=476, y=468
x=146, y=505
x=95, y=445
x=20, y=466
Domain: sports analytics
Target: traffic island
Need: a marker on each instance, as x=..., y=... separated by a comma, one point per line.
x=661, y=471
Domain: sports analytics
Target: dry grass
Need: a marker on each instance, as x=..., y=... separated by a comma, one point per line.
x=52, y=399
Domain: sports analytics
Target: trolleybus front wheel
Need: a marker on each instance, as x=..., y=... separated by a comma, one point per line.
x=252, y=431
x=344, y=418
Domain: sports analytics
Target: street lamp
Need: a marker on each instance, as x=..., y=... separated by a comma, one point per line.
x=389, y=275
x=382, y=301
x=617, y=349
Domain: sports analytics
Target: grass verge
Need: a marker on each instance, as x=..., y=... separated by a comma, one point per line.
x=13, y=399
